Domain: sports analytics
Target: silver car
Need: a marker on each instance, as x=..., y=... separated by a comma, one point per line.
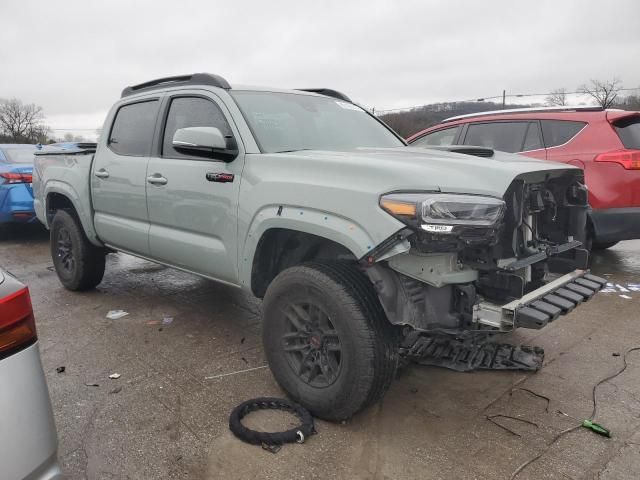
x=28, y=439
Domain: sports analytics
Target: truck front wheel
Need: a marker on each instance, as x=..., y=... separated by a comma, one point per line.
x=327, y=340
x=78, y=263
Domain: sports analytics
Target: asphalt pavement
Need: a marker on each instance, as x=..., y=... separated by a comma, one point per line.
x=189, y=350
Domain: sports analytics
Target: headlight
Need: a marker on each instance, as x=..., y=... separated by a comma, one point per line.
x=442, y=212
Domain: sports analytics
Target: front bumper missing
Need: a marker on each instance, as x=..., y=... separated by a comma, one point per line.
x=543, y=305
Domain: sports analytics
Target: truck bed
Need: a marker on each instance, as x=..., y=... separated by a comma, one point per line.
x=65, y=172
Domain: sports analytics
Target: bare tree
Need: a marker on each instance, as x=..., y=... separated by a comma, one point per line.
x=557, y=98
x=22, y=122
x=604, y=93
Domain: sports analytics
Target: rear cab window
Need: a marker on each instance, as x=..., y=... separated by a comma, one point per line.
x=506, y=136
x=628, y=129
x=445, y=136
x=559, y=132
x=132, y=129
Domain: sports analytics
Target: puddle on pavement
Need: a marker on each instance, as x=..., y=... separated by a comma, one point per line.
x=620, y=261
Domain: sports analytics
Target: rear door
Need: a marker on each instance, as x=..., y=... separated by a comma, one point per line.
x=193, y=209
x=516, y=136
x=118, y=177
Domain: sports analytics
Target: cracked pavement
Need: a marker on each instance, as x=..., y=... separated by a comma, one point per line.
x=163, y=419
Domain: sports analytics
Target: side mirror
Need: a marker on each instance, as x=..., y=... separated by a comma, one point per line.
x=205, y=142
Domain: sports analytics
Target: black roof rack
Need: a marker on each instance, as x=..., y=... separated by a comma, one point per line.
x=193, y=79
x=327, y=92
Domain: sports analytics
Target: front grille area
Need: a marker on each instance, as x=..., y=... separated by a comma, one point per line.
x=543, y=214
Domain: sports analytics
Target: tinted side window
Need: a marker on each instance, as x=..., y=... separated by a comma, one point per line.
x=445, y=136
x=504, y=136
x=532, y=141
x=191, y=112
x=558, y=132
x=132, y=130
x=629, y=132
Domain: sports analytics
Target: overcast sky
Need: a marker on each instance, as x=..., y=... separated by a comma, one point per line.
x=73, y=57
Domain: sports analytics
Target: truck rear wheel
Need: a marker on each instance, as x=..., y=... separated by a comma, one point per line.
x=327, y=339
x=78, y=263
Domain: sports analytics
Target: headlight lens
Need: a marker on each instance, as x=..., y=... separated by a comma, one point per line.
x=442, y=212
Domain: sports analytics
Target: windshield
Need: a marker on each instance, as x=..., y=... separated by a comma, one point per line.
x=19, y=155
x=284, y=122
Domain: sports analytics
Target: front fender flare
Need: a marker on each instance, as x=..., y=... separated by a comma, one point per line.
x=328, y=225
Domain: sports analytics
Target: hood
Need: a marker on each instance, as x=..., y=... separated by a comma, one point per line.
x=420, y=169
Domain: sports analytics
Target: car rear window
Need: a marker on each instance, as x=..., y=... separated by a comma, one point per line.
x=19, y=155
x=132, y=130
x=628, y=130
x=559, y=132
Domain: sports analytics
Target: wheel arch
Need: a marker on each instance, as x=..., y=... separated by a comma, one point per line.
x=281, y=248
x=306, y=234
x=59, y=195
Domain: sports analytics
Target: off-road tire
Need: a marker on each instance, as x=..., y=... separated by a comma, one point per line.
x=602, y=245
x=86, y=268
x=368, y=342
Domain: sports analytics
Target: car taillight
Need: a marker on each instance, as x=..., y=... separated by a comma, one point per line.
x=11, y=177
x=17, y=325
x=629, y=159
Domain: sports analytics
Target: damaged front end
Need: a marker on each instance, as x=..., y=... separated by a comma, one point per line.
x=470, y=263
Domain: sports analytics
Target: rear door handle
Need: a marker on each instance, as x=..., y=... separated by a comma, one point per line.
x=157, y=179
x=102, y=173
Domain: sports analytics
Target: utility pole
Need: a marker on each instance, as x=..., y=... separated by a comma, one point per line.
x=504, y=97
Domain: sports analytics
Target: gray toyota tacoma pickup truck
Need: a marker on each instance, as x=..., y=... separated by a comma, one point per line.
x=359, y=245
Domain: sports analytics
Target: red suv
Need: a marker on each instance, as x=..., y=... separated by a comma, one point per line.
x=604, y=143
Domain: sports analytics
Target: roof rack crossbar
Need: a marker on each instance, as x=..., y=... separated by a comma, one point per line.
x=328, y=92
x=509, y=111
x=193, y=79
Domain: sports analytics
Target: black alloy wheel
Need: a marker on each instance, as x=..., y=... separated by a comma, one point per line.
x=312, y=344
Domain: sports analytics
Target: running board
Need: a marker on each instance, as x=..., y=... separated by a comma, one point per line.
x=466, y=356
x=536, y=309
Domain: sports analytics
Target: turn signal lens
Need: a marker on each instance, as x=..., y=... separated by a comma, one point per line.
x=396, y=207
x=17, y=325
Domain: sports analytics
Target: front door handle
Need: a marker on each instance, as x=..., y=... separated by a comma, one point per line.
x=157, y=179
x=102, y=173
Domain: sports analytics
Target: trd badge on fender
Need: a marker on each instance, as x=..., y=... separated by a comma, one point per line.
x=220, y=177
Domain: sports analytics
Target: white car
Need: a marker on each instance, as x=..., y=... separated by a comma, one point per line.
x=28, y=439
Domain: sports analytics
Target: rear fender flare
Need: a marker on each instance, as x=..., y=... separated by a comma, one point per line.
x=85, y=217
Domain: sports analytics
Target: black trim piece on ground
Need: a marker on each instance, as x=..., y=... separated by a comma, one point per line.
x=297, y=434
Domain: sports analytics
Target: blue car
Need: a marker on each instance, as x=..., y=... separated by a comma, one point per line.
x=16, y=195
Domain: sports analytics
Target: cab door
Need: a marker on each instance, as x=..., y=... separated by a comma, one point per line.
x=193, y=200
x=118, y=177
